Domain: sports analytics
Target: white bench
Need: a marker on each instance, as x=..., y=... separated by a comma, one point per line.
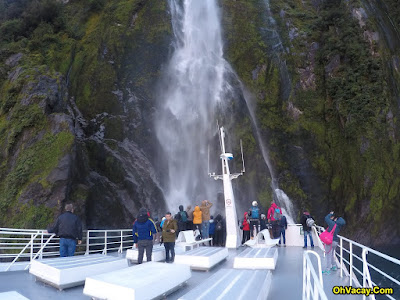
x=262, y=240
x=186, y=240
x=203, y=258
x=145, y=281
x=256, y=258
x=158, y=254
x=229, y=284
x=65, y=272
x=12, y=295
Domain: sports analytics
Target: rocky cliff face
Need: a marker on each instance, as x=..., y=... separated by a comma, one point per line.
x=325, y=77
x=78, y=95
x=83, y=135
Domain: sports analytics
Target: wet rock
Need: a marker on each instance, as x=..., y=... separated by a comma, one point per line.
x=47, y=91
x=13, y=60
x=361, y=15
x=333, y=65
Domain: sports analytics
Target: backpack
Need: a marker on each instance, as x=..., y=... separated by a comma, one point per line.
x=327, y=236
x=277, y=214
x=310, y=221
x=254, y=212
x=218, y=226
x=183, y=216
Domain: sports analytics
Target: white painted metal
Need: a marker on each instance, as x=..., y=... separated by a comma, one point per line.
x=316, y=291
x=12, y=295
x=158, y=254
x=64, y=272
x=256, y=258
x=262, y=240
x=203, y=258
x=350, y=270
x=145, y=281
x=229, y=284
x=232, y=229
x=186, y=241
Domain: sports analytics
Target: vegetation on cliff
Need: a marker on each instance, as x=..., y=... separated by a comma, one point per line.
x=334, y=140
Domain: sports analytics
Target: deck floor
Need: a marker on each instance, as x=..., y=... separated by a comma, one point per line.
x=287, y=280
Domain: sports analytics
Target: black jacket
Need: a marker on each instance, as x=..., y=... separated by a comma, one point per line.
x=303, y=222
x=67, y=226
x=283, y=222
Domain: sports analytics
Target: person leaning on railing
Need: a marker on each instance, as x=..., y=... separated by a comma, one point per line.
x=68, y=227
x=331, y=220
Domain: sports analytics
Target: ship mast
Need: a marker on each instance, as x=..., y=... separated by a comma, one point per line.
x=232, y=230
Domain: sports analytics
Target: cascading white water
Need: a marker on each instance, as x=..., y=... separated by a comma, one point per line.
x=193, y=89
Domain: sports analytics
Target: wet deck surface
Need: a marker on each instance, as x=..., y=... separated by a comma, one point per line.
x=287, y=280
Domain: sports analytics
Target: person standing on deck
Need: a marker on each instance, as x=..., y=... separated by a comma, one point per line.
x=263, y=222
x=212, y=231
x=143, y=231
x=246, y=228
x=68, y=227
x=205, y=212
x=274, y=215
x=306, y=229
x=168, y=235
x=254, y=217
x=331, y=220
x=220, y=231
x=189, y=211
x=181, y=217
x=197, y=219
x=283, y=227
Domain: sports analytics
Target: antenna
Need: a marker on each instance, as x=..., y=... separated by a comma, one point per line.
x=208, y=158
x=241, y=149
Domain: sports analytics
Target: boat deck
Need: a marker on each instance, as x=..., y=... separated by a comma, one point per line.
x=287, y=280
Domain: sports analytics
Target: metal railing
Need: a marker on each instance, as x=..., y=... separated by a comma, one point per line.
x=348, y=266
x=25, y=245
x=313, y=284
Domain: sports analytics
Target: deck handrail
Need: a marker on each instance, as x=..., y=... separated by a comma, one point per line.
x=26, y=245
x=365, y=272
x=316, y=291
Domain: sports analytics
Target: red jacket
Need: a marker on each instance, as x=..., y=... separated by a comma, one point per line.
x=271, y=210
x=245, y=224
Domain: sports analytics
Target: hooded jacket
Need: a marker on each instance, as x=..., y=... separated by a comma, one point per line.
x=245, y=223
x=205, y=210
x=197, y=216
x=178, y=216
x=270, y=214
x=340, y=222
x=144, y=228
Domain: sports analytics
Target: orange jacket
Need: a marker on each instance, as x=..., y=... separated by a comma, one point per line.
x=197, y=215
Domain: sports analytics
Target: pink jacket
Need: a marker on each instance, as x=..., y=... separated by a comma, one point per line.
x=271, y=210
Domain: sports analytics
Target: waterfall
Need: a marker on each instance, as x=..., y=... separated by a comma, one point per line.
x=194, y=88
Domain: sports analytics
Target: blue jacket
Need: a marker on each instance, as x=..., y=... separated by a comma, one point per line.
x=143, y=231
x=212, y=228
x=340, y=222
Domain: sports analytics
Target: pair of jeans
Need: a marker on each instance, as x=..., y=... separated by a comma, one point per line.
x=329, y=255
x=305, y=238
x=206, y=229
x=283, y=235
x=169, y=248
x=67, y=247
x=145, y=245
